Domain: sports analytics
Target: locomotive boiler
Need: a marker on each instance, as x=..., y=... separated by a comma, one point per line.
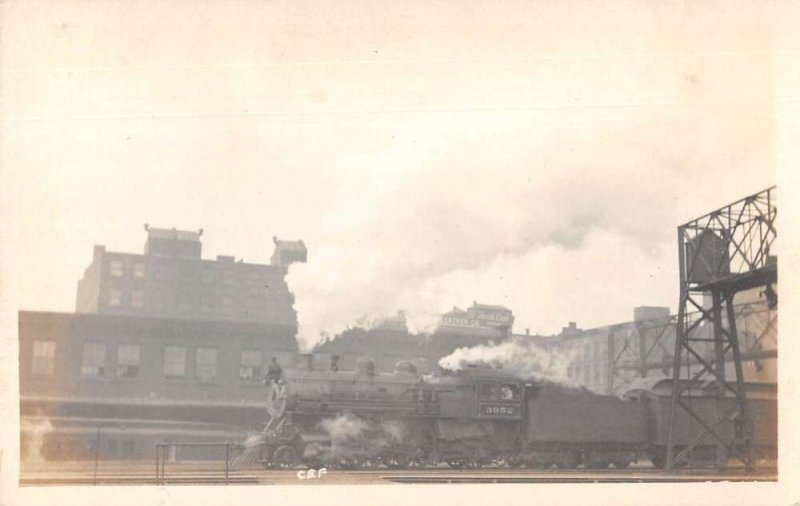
x=475, y=417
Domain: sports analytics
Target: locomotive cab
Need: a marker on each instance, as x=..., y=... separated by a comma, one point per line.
x=499, y=399
x=481, y=393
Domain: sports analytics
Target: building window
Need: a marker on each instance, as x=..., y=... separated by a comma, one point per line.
x=138, y=270
x=114, y=297
x=226, y=305
x=117, y=268
x=253, y=278
x=44, y=354
x=94, y=360
x=285, y=358
x=128, y=361
x=183, y=303
x=159, y=272
x=174, y=362
x=206, y=367
x=137, y=298
x=251, y=365
x=187, y=275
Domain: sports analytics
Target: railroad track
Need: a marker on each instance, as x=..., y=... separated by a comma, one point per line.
x=573, y=478
x=132, y=473
x=208, y=474
x=134, y=479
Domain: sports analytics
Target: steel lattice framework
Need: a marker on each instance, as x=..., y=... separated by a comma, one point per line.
x=639, y=347
x=720, y=254
x=636, y=348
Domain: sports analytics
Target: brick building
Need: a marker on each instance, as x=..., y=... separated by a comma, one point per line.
x=172, y=280
x=142, y=380
x=164, y=346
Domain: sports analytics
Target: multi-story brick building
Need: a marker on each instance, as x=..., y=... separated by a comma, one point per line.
x=172, y=280
x=165, y=344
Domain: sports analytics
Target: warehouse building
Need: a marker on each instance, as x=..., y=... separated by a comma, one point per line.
x=140, y=380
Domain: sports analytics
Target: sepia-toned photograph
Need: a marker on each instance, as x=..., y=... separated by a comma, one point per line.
x=255, y=244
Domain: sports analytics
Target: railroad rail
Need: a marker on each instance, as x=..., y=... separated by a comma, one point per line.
x=208, y=473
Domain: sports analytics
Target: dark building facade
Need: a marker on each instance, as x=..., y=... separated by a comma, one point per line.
x=141, y=380
x=172, y=280
x=389, y=341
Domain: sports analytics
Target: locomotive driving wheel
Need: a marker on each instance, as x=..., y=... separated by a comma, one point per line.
x=285, y=457
x=621, y=463
x=474, y=464
x=456, y=462
x=397, y=461
x=509, y=459
x=596, y=463
x=515, y=461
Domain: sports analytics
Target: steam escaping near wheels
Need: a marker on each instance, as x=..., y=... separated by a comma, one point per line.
x=250, y=456
x=286, y=457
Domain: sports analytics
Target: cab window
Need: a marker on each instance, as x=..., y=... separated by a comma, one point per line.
x=499, y=392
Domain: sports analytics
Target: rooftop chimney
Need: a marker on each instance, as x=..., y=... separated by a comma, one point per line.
x=99, y=249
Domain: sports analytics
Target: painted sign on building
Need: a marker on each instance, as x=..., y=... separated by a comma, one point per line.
x=479, y=316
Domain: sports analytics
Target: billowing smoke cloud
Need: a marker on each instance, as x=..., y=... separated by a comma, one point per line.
x=559, y=214
x=522, y=356
x=352, y=439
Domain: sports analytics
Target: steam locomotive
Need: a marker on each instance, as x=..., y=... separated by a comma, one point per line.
x=476, y=417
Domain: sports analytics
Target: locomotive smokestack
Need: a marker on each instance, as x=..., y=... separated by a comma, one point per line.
x=365, y=366
x=305, y=361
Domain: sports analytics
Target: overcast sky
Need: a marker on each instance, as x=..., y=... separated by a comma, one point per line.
x=538, y=155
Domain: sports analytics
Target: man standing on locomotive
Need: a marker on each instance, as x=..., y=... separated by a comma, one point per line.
x=274, y=372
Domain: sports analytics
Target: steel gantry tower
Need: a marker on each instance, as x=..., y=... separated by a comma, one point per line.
x=720, y=254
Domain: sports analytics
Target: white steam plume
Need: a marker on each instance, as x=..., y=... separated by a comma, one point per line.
x=521, y=356
x=344, y=427
x=561, y=214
